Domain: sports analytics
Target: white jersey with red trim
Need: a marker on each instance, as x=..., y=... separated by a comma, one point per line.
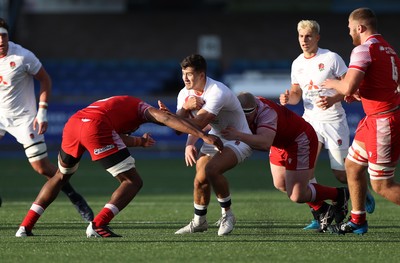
x=17, y=94
x=220, y=101
x=309, y=73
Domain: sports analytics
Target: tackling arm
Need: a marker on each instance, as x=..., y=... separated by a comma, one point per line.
x=261, y=141
x=181, y=124
x=347, y=86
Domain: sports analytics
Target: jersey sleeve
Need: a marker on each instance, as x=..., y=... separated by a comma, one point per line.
x=360, y=58
x=215, y=100
x=268, y=118
x=180, y=99
x=142, y=108
x=31, y=62
x=293, y=71
x=340, y=67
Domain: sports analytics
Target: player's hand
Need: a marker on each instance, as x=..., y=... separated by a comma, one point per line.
x=324, y=102
x=193, y=103
x=284, y=98
x=230, y=133
x=214, y=140
x=41, y=127
x=162, y=106
x=40, y=122
x=329, y=83
x=148, y=140
x=190, y=155
x=355, y=97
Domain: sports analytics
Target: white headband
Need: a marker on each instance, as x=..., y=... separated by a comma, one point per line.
x=3, y=30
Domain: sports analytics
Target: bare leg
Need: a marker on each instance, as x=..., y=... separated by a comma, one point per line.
x=215, y=169
x=130, y=185
x=357, y=183
x=202, y=188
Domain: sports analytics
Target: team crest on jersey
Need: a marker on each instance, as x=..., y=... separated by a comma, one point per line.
x=339, y=142
x=321, y=66
x=31, y=135
x=12, y=65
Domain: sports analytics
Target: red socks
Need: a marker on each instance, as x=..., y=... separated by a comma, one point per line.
x=104, y=217
x=32, y=216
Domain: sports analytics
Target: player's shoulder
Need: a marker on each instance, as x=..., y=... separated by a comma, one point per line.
x=18, y=51
x=212, y=84
x=16, y=48
x=298, y=59
x=329, y=54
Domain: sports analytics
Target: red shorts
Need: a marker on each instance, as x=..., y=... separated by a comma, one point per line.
x=96, y=135
x=300, y=155
x=381, y=136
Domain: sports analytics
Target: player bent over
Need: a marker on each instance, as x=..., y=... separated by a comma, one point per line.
x=293, y=146
x=102, y=129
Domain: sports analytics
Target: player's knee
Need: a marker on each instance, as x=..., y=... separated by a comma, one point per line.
x=381, y=187
x=137, y=182
x=340, y=176
x=211, y=171
x=200, y=183
x=279, y=186
x=131, y=180
x=295, y=198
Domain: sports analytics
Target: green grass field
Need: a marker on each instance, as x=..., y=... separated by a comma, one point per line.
x=269, y=226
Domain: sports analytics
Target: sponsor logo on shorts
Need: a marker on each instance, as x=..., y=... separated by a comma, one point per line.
x=104, y=149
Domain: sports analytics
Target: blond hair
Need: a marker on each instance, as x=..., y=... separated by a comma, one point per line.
x=311, y=24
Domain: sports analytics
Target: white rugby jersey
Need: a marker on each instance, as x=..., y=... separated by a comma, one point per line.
x=17, y=94
x=220, y=101
x=309, y=73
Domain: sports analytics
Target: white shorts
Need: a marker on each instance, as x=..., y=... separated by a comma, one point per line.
x=22, y=129
x=336, y=139
x=241, y=149
x=335, y=135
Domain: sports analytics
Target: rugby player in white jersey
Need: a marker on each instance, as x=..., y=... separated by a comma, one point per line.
x=19, y=115
x=210, y=103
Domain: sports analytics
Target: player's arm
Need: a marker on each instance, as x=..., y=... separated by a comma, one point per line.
x=347, y=86
x=134, y=141
x=181, y=124
x=291, y=97
x=190, y=148
x=203, y=119
x=190, y=104
x=40, y=122
x=325, y=102
x=261, y=141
